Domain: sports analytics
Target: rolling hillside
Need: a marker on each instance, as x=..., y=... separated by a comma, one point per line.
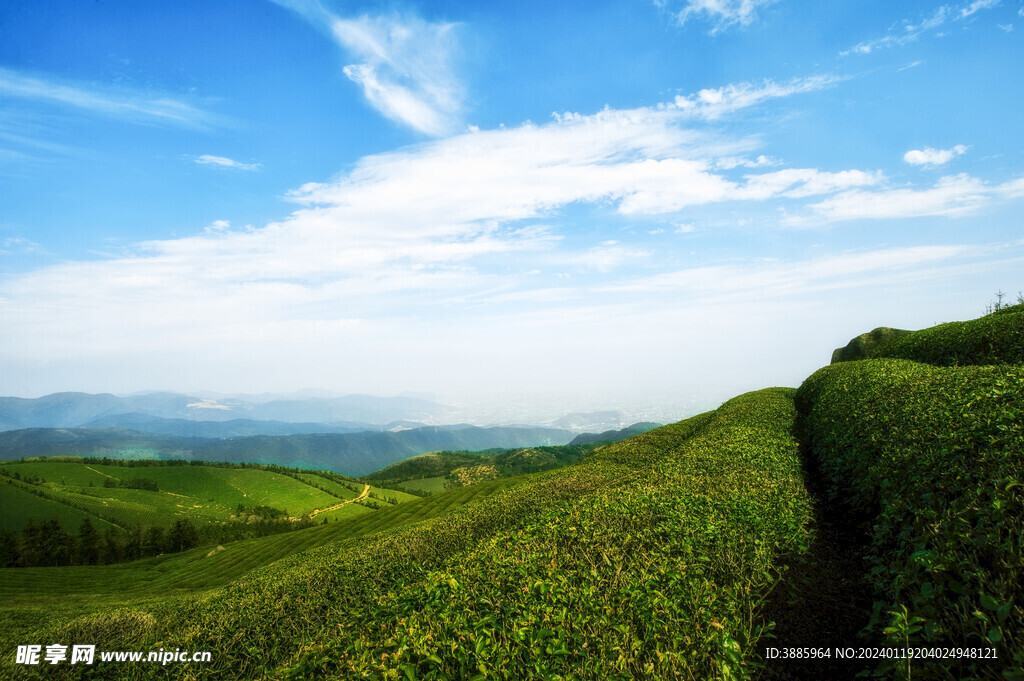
x=886, y=493
x=459, y=469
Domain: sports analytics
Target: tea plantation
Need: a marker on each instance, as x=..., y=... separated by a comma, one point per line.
x=676, y=554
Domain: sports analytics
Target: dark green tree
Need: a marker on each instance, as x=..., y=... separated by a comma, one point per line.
x=133, y=544
x=111, y=550
x=183, y=535
x=8, y=548
x=88, y=543
x=153, y=541
x=57, y=546
x=30, y=552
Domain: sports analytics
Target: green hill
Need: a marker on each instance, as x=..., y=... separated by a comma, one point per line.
x=885, y=493
x=996, y=338
x=458, y=469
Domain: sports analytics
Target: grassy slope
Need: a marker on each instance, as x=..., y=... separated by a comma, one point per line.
x=40, y=597
x=202, y=493
x=18, y=504
x=654, y=554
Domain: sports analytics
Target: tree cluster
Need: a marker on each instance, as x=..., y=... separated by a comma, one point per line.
x=48, y=544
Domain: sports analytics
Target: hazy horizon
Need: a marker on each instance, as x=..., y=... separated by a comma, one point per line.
x=638, y=205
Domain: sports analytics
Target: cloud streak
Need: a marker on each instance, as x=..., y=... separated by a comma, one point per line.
x=224, y=162
x=129, y=105
x=912, y=31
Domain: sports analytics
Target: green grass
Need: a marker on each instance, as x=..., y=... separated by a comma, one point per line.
x=648, y=559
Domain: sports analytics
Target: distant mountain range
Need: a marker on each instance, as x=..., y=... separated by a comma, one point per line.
x=144, y=412
x=354, y=434
x=349, y=453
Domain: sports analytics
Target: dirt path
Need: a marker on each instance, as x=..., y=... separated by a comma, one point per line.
x=362, y=495
x=823, y=601
x=102, y=473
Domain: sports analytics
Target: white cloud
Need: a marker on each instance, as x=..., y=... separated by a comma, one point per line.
x=911, y=31
x=715, y=102
x=911, y=65
x=17, y=244
x=933, y=157
x=1006, y=28
x=723, y=13
x=804, y=182
x=777, y=278
x=222, y=162
x=730, y=162
x=953, y=196
x=976, y=6
x=407, y=66
x=130, y=105
x=374, y=263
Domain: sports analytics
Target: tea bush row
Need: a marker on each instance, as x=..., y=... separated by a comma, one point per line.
x=932, y=457
x=997, y=338
x=648, y=559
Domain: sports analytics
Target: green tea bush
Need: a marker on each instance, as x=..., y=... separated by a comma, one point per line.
x=997, y=338
x=649, y=559
x=934, y=457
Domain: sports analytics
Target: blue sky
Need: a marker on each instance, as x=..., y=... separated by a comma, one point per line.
x=591, y=204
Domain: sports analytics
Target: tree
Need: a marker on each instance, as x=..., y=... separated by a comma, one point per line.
x=111, y=550
x=183, y=535
x=133, y=545
x=153, y=541
x=57, y=546
x=88, y=543
x=30, y=553
x=8, y=548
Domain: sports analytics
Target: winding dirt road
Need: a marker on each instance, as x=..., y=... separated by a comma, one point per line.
x=362, y=495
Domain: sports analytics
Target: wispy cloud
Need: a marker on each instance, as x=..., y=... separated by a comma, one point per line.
x=976, y=6
x=722, y=13
x=933, y=157
x=912, y=30
x=17, y=244
x=952, y=196
x=407, y=66
x=130, y=105
x=788, y=277
x=712, y=103
x=223, y=162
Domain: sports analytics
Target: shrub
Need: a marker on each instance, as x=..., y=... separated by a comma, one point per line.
x=933, y=457
x=997, y=338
